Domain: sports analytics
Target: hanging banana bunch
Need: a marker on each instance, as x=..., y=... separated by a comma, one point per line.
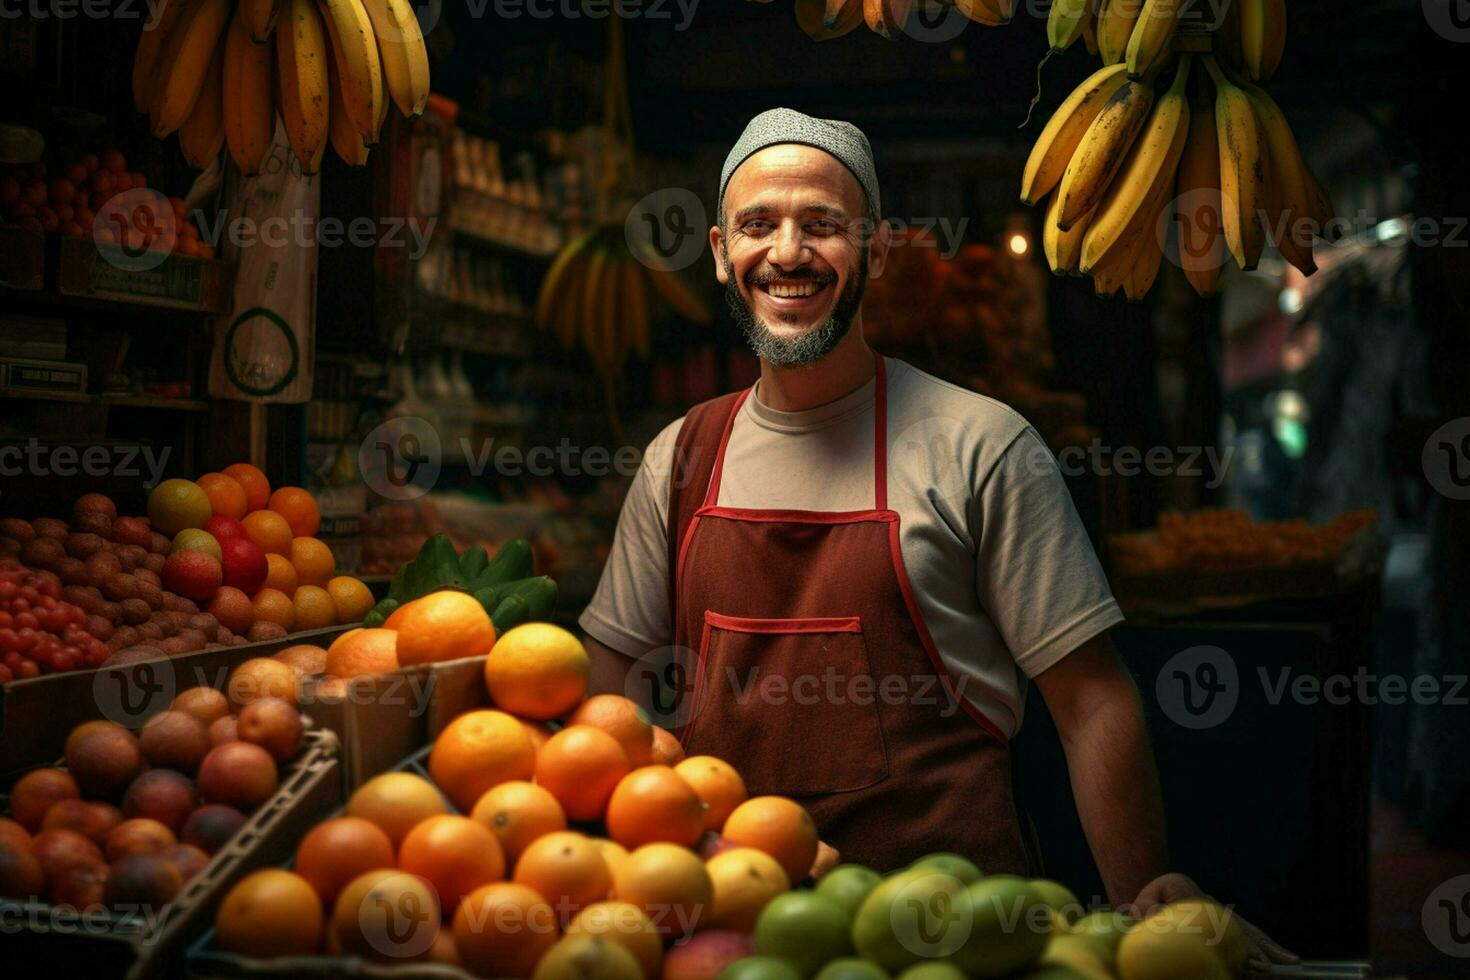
x=218, y=72
x=1172, y=131
x=823, y=20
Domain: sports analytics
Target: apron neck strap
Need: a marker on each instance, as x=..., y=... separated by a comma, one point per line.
x=880, y=439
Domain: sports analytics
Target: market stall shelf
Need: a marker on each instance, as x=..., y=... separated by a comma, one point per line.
x=89, y=271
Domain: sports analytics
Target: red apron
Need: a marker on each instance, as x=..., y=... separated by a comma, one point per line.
x=816, y=676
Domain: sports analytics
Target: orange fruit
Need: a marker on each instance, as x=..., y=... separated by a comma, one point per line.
x=313, y=561
x=363, y=651
x=225, y=494
x=538, y=670
x=442, y=626
x=666, y=748
x=581, y=766
x=503, y=930
x=718, y=786
x=454, y=854
x=175, y=505
x=780, y=827
x=588, y=956
x=626, y=925
x=338, y=850
x=396, y=802
x=274, y=606
x=280, y=574
x=308, y=660
x=478, y=750
x=669, y=883
x=262, y=677
x=352, y=598
x=612, y=852
x=314, y=608
x=654, y=804
x=269, y=531
x=517, y=813
x=621, y=718
x=257, y=487
x=744, y=880
x=298, y=508
x=270, y=913
x=443, y=950
x=386, y=916
x=567, y=870
x=539, y=732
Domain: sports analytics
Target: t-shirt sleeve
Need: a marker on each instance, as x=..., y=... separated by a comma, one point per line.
x=1037, y=574
x=629, y=611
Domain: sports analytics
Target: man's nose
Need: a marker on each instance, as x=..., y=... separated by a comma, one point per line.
x=790, y=249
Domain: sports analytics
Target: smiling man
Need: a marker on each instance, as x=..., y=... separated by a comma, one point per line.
x=866, y=564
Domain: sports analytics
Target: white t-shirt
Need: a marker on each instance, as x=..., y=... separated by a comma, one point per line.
x=1004, y=573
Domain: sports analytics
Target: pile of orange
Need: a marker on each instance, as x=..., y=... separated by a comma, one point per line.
x=582, y=836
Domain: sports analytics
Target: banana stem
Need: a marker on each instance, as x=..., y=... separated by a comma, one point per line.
x=1037, y=97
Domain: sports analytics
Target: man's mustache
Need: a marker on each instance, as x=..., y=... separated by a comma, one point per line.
x=766, y=278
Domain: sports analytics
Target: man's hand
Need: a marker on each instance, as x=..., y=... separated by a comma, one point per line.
x=828, y=857
x=1176, y=887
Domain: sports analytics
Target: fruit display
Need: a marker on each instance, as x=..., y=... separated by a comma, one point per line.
x=556, y=835
x=129, y=817
x=1230, y=539
x=596, y=295
x=504, y=586
x=1172, y=130
x=823, y=20
x=217, y=72
x=220, y=561
x=65, y=199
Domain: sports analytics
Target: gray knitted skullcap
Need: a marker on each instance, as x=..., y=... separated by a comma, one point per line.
x=841, y=139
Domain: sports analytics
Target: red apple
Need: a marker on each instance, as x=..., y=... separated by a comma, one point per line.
x=192, y=574
x=244, y=564
x=223, y=527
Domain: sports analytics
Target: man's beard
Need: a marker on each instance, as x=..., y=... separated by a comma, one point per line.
x=810, y=347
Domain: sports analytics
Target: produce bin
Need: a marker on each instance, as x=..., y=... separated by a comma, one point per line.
x=89, y=944
x=384, y=718
x=37, y=714
x=206, y=960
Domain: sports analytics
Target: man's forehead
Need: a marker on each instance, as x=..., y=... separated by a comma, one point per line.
x=794, y=164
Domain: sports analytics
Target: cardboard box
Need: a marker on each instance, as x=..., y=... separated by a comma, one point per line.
x=37, y=714
x=92, y=944
x=384, y=718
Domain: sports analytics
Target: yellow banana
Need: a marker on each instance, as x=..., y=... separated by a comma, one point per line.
x=558, y=276
x=1102, y=150
x=191, y=46
x=1262, y=36
x=1153, y=37
x=203, y=133
x=1319, y=206
x=403, y=55
x=358, y=64
x=1149, y=166
x=673, y=290
x=1066, y=21
x=1197, y=221
x=1291, y=220
x=260, y=17
x=1148, y=254
x=250, y=104
x=1058, y=141
x=635, y=306
x=346, y=140
x=1242, y=169
x=1114, y=27
x=887, y=17
x=156, y=31
x=1063, y=249
x=1089, y=31
x=306, y=100
x=823, y=20
x=992, y=13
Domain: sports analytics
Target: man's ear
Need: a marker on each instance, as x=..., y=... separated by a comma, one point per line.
x=878, y=247
x=716, y=237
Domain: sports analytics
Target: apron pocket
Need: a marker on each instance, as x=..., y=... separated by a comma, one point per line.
x=792, y=703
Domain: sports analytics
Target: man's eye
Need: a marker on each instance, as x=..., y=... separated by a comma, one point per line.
x=822, y=226
x=756, y=226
